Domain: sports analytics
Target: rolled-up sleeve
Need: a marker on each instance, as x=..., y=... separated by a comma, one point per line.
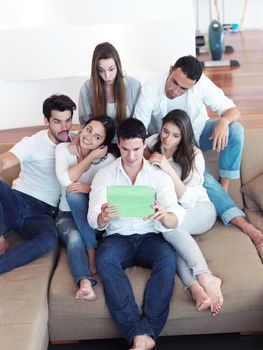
x=97, y=197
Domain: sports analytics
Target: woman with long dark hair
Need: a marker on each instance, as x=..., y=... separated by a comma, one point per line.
x=175, y=151
x=76, y=164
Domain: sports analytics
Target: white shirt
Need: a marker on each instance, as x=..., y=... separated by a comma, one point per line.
x=37, y=177
x=149, y=175
x=153, y=104
x=65, y=160
x=195, y=191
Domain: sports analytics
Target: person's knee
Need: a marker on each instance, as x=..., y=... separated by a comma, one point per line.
x=167, y=260
x=236, y=133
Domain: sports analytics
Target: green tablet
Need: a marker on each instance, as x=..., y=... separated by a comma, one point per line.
x=132, y=201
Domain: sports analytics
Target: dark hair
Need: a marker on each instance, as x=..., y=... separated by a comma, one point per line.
x=105, y=51
x=184, y=154
x=109, y=127
x=59, y=103
x=190, y=66
x=131, y=128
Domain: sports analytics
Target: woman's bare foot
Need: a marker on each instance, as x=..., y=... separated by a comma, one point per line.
x=143, y=342
x=212, y=286
x=3, y=245
x=86, y=291
x=202, y=300
x=91, y=255
x=255, y=235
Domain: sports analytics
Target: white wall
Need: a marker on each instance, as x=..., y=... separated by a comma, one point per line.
x=46, y=46
x=230, y=11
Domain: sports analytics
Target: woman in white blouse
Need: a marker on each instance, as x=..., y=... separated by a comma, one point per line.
x=175, y=151
x=76, y=164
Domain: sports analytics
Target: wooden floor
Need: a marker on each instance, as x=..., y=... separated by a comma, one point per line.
x=243, y=84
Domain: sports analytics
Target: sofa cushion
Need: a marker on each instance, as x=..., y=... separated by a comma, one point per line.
x=253, y=191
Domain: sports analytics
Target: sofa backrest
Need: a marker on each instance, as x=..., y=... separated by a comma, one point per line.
x=252, y=157
x=10, y=174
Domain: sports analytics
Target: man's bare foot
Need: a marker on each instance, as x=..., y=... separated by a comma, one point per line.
x=3, y=245
x=255, y=235
x=143, y=342
x=202, y=300
x=91, y=255
x=86, y=291
x=212, y=286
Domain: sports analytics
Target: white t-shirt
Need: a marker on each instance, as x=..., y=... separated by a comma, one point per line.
x=65, y=160
x=195, y=191
x=37, y=177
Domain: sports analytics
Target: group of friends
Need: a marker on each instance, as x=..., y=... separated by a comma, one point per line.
x=151, y=135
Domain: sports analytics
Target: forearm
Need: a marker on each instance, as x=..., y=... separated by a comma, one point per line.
x=231, y=115
x=77, y=170
x=178, y=184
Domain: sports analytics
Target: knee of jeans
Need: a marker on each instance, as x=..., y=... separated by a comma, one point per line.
x=168, y=260
x=72, y=237
x=236, y=132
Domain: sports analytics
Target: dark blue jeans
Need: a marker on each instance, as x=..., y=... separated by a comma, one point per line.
x=32, y=219
x=149, y=250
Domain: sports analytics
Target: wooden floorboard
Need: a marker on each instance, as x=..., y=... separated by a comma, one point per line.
x=243, y=84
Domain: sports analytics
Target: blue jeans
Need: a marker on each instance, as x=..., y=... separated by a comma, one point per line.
x=149, y=250
x=70, y=237
x=229, y=167
x=79, y=205
x=33, y=220
x=230, y=157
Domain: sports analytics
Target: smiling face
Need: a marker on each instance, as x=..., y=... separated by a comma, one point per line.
x=131, y=153
x=177, y=83
x=92, y=136
x=107, y=70
x=59, y=125
x=170, y=137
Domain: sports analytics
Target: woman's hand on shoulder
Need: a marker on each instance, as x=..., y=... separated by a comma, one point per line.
x=161, y=161
x=98, y=153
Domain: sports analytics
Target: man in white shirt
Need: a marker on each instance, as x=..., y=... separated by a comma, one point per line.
x=135, y=241
x=187, y=88
x=28, y=206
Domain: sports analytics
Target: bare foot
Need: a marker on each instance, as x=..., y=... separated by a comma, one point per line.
x=91, y=255
x=255, y=235
x=85, y=291
x=212, y=286
x=202, y=300
x=3, y=245
x=143, y=342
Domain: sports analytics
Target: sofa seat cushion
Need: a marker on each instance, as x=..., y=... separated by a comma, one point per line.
x=230, y=255
x=23, y=301
x=254, y=191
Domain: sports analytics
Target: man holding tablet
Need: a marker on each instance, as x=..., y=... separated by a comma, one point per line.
x=135, y=240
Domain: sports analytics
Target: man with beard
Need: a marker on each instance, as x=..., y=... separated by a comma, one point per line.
x=28, y=206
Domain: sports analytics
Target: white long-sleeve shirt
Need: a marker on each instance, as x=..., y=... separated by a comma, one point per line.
x=153, y=104
x=149, y=175
x=195, y=191
x=64, y=161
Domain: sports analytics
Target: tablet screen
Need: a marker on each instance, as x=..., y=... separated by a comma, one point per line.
x=132, y=201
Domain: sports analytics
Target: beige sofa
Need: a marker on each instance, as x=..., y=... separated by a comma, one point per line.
x=230, y=254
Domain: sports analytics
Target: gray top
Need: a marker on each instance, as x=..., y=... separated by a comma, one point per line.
x=133, y=88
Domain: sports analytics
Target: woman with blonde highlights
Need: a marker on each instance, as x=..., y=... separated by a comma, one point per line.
x=108, y=91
